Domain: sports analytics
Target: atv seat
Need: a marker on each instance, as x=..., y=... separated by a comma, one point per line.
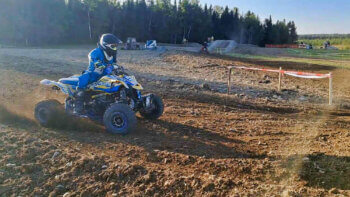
x=69, y=81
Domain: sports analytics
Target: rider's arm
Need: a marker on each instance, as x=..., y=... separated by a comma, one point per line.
x=108, y=68
x=115, y=59
x=95, y=61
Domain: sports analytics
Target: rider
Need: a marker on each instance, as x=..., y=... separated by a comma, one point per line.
x=205, y=47
x=101, y=62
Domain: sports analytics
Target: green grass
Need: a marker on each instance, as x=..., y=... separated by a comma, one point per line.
x=341, y=43
x=337, y=58
x=320, y=54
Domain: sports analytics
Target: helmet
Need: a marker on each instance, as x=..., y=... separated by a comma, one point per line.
x=108, y=43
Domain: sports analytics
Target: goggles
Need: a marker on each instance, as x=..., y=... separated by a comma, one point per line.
x=112, y=46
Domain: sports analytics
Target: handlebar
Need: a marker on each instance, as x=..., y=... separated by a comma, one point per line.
x=119, y=70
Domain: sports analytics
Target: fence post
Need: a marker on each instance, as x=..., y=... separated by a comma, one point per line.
x=279, y=79
x=229, y=80
x=330, y=88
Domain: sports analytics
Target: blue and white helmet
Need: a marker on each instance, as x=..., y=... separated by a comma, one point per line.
x=109, y=43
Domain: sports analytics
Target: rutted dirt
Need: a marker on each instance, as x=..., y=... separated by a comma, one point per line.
x=255, y=142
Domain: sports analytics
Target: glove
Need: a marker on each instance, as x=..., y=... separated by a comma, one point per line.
x=115, y=66
x=118, y=68
x=109, y=70
x=98, y=64
x=101, y=68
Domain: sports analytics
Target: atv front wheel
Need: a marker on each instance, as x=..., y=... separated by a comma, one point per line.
x=157, y=108
x=46, y=112
x=119, y=119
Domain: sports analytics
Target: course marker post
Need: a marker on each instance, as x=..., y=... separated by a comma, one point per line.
x=229, y=80
x=330, y=88
x=279, y=79
x=281, y=72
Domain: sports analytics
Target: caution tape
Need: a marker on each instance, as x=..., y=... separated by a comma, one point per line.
x=305, y=75
x=258, y=69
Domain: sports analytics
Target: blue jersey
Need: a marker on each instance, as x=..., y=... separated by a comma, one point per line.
x=97, y=60
x=98, y=67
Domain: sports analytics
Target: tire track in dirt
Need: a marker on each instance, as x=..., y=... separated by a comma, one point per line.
x=202, y=146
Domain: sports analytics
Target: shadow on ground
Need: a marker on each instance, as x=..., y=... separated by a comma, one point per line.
x=319, y=170
x=150, y=135
x=236, y=103
x=173, y=137
x=8, y=117
x=60, y=121
x=326, y=171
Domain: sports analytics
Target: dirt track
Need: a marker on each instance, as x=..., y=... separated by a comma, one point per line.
x=254, y=142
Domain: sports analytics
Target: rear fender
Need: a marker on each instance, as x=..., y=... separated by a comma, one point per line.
x=66, y=89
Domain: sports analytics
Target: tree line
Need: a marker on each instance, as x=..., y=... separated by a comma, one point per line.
x=324, y=36
x=43, y=22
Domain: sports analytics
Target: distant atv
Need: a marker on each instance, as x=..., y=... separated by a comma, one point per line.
x=132, y=44
x=204, y=50
x=111, y=101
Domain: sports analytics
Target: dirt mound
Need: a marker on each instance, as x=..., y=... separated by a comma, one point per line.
x=225, y=45
x=255, y=50
x=193, y=44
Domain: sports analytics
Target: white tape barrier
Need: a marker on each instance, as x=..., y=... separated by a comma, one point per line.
x=304, y=75
x=308, y=76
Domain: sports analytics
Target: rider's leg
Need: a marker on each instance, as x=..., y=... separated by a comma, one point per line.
x=83, y=80
x=79, y=101
x=80, y=93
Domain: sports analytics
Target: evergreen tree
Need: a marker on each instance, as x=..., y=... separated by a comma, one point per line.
x=41, y=22
x=293, y=36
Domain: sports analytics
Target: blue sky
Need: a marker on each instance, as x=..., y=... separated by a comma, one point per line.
x=310, y=16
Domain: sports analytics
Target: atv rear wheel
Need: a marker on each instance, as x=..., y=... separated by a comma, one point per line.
x=46, y=112
x=157, y=111
x=119, y=119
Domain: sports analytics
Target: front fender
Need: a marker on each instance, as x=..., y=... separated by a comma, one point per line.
x=138, y=87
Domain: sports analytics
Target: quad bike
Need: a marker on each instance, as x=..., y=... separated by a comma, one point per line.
x=111, y=101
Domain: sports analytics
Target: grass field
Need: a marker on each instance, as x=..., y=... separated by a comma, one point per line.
x=341, y=43
x=321, y=54
x=336, y=58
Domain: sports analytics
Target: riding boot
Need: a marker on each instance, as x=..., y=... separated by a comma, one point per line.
x=79, y=102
